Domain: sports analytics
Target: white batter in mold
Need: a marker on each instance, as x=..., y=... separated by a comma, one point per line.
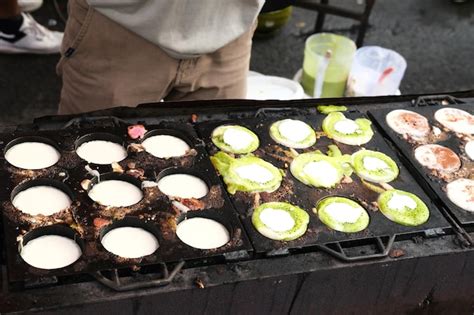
x=50, y=252
x=32, y=155
x=130, y=242
x=183, y=186
x=116, y=193
x=101, y=152
x=45, y=200
x=202, y=233
x=165, y=146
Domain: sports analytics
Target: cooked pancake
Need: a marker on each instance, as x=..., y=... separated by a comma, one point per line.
x=438, y=158
x=456, y=120
x=409, y=123
x=461, y=193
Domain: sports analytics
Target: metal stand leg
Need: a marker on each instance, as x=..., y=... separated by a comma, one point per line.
x=318, y=27
x=324, y=8
x=369, y=4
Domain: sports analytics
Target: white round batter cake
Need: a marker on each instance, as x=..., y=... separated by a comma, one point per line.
x=116, y=193
x=130, y=242
x=183, y=186
x=165, y=146
x=32, y=155
x=202, y=233
x=50, y=252
x=101, y=152
x=45, y=200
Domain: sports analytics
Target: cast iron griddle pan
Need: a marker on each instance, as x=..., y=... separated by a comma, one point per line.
x=434, y=184
x=86, y=221
x=306, y=197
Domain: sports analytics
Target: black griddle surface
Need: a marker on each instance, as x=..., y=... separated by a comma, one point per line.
x=434, y=184
x=306, y=197
x=88, y=218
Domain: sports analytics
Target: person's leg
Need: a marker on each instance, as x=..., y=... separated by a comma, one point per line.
x=20, y=33
x=220, y=75
x=10, y=17
x=9, y=9
x=105, y=65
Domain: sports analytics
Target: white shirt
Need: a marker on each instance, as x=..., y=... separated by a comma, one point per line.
x=183, y=28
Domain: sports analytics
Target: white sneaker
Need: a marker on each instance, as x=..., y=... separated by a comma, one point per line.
x=29, y=5
x=31, y=38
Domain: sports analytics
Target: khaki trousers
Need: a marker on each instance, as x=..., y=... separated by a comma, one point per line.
x=104, y=65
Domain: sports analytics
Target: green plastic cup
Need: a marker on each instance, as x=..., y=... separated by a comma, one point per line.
x=270, y=22
x=328, y=57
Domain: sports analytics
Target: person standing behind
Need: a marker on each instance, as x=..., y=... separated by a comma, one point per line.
x=123, y=53
x=20, y=33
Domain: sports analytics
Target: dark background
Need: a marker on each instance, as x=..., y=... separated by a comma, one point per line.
x=435, y=36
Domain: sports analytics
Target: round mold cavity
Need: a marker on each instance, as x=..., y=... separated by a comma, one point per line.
x=43, y=196
x=167, y=153
x=203, y=231
x=101, y=148
x=119, y=190
x=130, y=238
x=178, y=181
x=32, y=153
x=51, y=247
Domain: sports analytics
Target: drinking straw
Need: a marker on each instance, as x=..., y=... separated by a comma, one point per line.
x=319, y=78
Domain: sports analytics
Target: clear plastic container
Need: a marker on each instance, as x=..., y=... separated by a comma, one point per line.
x=375, y=71
x=327, y=62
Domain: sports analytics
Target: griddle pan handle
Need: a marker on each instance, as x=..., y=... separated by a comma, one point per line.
x=337, y=250
x=115, y=283
x=262, y=112
x=434, y=100
x=78, y=121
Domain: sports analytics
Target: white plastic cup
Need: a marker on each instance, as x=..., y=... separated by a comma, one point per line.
x=375, y=71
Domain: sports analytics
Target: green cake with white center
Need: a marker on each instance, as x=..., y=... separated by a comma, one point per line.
x=293, y=133
x=235, y=139
x=347, y=131
x=280, y=221
x=343, y=214
x=316, y=169
x=403, y=207
x=374, y=166
x=247, y=173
